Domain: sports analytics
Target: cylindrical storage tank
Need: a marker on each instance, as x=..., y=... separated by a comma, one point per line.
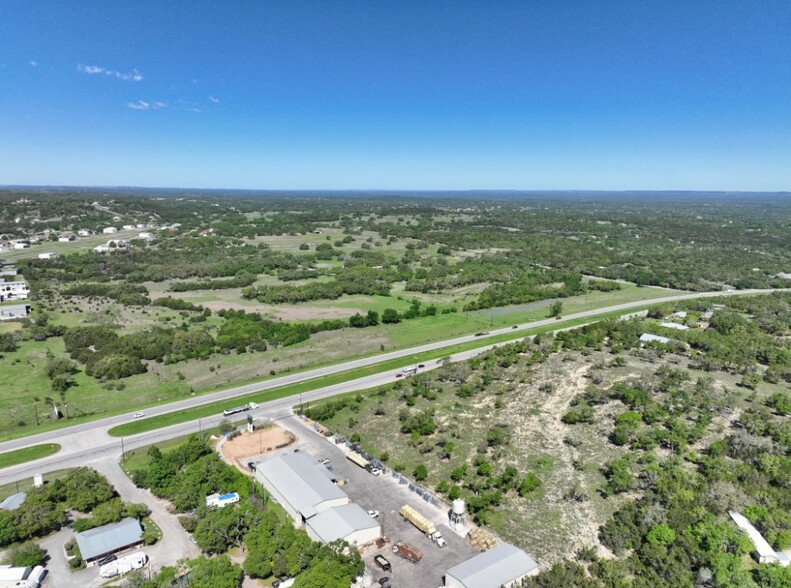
x=458, y=506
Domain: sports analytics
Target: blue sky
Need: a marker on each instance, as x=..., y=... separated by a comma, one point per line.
x=397, y=94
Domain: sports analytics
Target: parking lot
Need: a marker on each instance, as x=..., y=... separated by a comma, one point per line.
x=385, y=494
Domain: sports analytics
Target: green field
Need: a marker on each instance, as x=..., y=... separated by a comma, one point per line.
x=12, y=458
x=7, y=490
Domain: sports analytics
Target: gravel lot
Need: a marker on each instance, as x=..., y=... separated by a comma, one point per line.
x=385, y=494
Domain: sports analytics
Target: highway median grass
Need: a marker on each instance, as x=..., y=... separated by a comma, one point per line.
x=17, y=456
x=212, y=409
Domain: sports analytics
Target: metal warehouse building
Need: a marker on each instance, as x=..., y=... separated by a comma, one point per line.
x=107, y=539
x=503, y=565
x=300, y=485
x=348, y=522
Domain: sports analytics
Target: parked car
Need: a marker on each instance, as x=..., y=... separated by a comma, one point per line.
x=106, y=559
x=324, y=461
x=373, y=514
x=382, y=562
x=420, y=365
x=139, y=415
x=482, y=333
x=515, y=327
x=384, y=582
x=376, y=471
x=399, y=375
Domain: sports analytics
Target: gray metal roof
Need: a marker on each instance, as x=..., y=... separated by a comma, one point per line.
x=341, y=521
x=13, y=501
x=108, y=538
x=8, y=311
x=298, y=479
x=494, y=568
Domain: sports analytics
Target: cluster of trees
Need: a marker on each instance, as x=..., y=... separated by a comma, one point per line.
x=241, y=281
x=46, y=507
x=368, y=283
x=187, y=474
x=121, y=292
x=242, y=330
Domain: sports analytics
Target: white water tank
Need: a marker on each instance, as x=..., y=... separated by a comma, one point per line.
x=458, y=506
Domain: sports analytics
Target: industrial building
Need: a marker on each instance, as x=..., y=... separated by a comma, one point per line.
x=300, y=485
x=348, y=522
x=96, y=543
x=504, y=565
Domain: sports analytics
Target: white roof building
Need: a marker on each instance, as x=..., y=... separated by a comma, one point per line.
x=675, y=326
x=110, y=230
x=299, y=485
x=765, y=552
x=348, y=522
x=649, y=338
x=13, y=291
x=504, y=565
x=47, y=255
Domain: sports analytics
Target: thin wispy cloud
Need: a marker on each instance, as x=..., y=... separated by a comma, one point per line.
x=214, y=100
x=133, y=76
x=139, y=105
x=159, y=105
x=33, y=62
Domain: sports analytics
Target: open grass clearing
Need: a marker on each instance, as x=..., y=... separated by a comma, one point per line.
x=7, y=490
x=152, y=423
x=17, y=456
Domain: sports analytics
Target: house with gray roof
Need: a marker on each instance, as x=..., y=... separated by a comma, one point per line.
x=348, y=522
x=96, y=543
x=299, y=485
x=504, y=565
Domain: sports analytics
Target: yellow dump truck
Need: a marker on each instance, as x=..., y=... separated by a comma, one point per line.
x=423, y=524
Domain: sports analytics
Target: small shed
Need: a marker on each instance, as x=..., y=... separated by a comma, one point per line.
x=13, y=502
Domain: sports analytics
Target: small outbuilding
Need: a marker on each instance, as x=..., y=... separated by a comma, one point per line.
x=676, y=326
x=13, y=502
x=649, y=338
x=109, y=539
x=14, y=311
x=348, y=522
x=504, y=565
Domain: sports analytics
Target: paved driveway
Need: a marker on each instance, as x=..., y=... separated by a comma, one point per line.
x=175, y=543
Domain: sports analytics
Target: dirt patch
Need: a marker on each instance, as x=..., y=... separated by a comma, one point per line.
x=255, y=444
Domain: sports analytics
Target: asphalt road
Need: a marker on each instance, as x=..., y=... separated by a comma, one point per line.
x=88, y=442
